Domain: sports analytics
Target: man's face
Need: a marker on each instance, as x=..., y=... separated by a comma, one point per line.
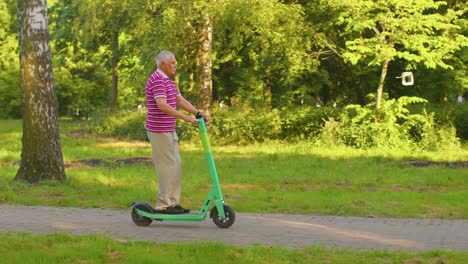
x=168, y=66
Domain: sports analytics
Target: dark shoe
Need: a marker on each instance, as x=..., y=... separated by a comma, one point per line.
x=158, y=211
x=185, y=210
x=172, y=210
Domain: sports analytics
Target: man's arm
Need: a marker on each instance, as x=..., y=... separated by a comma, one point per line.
x=163, y=106
x=187, y=106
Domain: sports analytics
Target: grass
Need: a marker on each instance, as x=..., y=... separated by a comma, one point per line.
x=280, y=178
x=65, y=248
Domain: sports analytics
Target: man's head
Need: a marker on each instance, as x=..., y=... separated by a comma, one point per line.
x=167, y=62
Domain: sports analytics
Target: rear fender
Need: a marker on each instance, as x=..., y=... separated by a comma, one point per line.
x=142, y=207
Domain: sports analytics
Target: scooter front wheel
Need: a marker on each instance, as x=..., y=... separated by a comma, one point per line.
x=227, y=221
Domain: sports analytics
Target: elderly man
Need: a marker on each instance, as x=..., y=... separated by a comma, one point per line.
x=162, y=100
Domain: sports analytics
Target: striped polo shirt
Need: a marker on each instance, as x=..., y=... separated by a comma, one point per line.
x=160, y=85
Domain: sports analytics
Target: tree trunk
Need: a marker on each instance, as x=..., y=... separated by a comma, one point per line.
x=267, y=95
x=380, y=90
x=41, y=154
x=115, y=72
x=205, y=83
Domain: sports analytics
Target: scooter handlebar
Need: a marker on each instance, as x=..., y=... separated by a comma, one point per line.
x=199, y=115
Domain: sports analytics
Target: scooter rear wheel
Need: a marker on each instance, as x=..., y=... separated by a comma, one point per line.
x=141, y=220
x=226, y=222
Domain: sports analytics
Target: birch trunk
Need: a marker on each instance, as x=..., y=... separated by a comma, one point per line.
x=41, y=154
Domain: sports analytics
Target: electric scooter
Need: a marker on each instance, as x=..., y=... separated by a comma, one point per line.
x=222, y=214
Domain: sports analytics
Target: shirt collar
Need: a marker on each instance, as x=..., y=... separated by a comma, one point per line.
x=162, y=73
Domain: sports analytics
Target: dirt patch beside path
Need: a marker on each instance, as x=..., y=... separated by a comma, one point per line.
x=110, y=162
x=424, y=163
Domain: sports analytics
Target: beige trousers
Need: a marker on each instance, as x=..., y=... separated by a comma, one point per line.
x=168, y=167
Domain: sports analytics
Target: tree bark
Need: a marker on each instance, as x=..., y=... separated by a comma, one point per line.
x=115, y=71
x=267, y=94
x=383, y=75
x=41, y=154
x=204, y=61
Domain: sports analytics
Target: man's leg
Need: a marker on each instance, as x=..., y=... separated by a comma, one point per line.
x=168, y=168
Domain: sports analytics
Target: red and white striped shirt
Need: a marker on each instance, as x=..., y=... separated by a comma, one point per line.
x=160, y=85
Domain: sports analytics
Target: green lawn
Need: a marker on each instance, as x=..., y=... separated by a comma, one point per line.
x=273, y=177
x=64, y=248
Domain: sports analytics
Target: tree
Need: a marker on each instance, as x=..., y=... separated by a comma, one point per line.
x=416, y=31
x=106, y=20
x=263, y=51
x=81, y=77
x=41, y=155
x=203, y=29
x=96, y=26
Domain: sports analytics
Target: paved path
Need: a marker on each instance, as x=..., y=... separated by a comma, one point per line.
x=293, y=231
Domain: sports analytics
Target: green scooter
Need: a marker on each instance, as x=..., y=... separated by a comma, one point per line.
x=222, y=214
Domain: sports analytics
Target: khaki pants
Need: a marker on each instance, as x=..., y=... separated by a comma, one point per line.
x=168, y=167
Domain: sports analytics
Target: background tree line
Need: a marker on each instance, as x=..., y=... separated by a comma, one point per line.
x=255, y=53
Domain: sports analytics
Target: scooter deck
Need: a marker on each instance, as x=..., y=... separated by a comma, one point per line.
x=192, y=216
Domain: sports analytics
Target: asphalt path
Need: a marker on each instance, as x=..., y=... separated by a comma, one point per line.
x=291, y=231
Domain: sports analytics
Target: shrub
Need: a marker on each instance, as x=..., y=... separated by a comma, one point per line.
x=229, y=126
x=305, y=122
x=460, y=120
x=245, y=126
x=125, y=124
x=398, y=128
x=452, y=114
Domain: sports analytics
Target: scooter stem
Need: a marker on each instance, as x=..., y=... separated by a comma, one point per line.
x=210, y=160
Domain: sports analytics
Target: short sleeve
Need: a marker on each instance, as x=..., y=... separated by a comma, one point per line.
x=158, y=88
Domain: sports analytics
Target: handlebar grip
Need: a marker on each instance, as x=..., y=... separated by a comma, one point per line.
x=199, y=115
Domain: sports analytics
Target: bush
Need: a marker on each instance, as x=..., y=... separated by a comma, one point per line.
x=246, y=126
x=229, y=126
x=451, y=114
x=456, y=115
x=11, y=99
x=125, y=124
x=305, y=122
x=398, y=128
x=239, y=126
x=460, y=120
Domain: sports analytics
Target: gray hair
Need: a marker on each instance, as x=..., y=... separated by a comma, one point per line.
x=162, y=56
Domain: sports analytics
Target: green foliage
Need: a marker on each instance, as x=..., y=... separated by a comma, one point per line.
x=80, y=89
x=402, y=126
x=10, y=89
x=263, y=51
x=245, y=126
x=238, y=126
x=272, y=53
x=124, y=124
x=452, y=114
x=391, y=29
x=460, y=120
x=399, y=128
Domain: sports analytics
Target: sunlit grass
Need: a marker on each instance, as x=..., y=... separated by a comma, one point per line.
x=66, y=248
x=271, y=177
